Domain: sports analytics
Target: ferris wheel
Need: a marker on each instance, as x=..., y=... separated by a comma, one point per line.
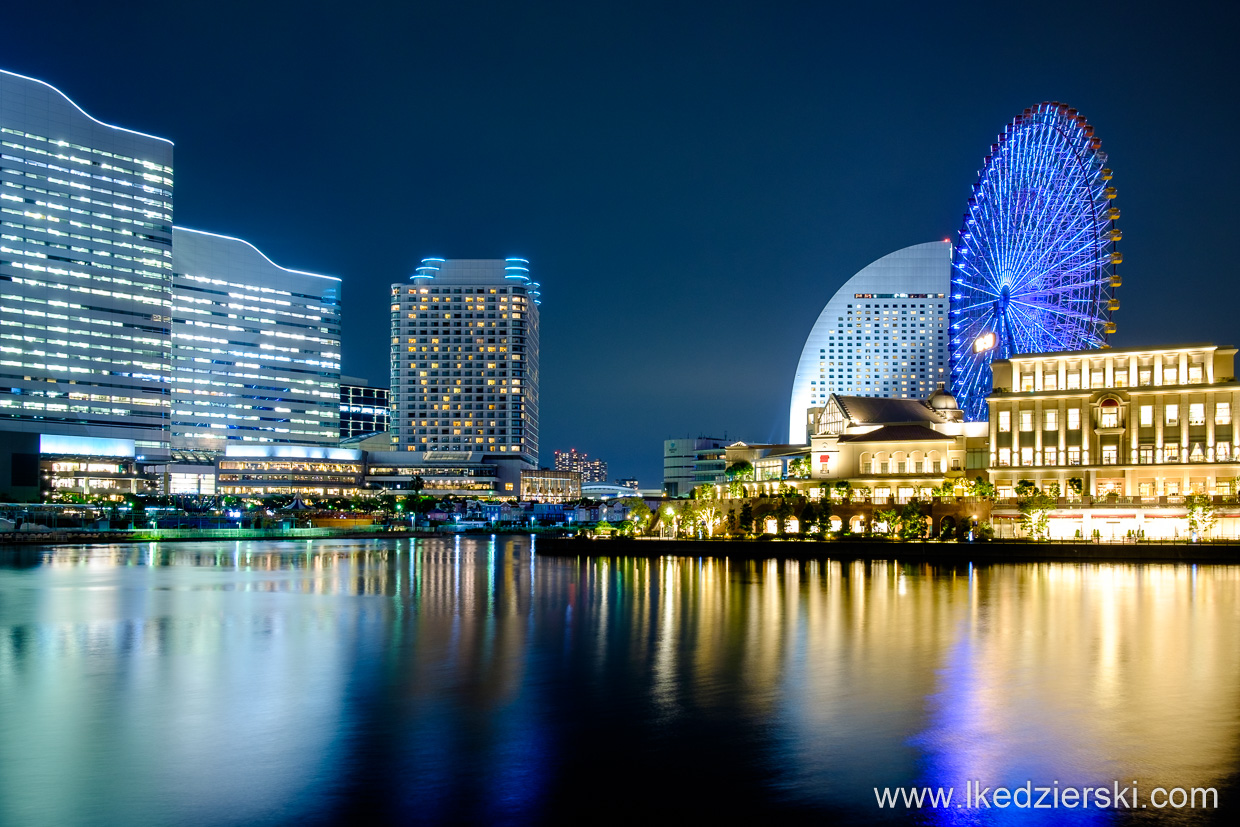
x=1034, y=266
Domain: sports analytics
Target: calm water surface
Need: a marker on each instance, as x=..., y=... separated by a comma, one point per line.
x=472, y=681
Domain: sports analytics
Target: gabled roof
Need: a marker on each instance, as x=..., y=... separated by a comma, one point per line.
x=877, y=410
x=899, y=433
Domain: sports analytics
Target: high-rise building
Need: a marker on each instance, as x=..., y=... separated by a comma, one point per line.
x=465, y=359
x=884, y=333
x=364, y=408
x=592, y=470
x=86, y=267
x=255, y=347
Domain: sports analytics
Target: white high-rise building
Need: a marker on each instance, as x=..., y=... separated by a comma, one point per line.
x=884, y=333
x=465, y=359
x=255, y=347
x=85, y=271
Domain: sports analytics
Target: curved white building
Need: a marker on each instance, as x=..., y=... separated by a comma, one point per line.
x=255, y=347
x=884, y=333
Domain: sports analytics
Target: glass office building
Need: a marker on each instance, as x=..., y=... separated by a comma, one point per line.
x=465, y=358
x=884, y=333
x=255, y=347
x=85, y=271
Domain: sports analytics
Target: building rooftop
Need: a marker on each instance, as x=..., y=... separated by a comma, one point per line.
x=875, y=410
x=898, y=433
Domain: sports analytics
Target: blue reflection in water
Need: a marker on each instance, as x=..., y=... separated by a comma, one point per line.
x=462, y=680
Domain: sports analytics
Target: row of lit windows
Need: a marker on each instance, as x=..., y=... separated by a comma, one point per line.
x=79, y=186
x=151, y=166
x=1109, y=455
x=84, y=199
x=93, y=239
x=1195, y=375
x=1109, y=417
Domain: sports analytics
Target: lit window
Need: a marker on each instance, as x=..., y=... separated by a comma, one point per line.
x=1196, y=413
x=1110, y=454
x=1121, y=378
x=1049, y=456
x=1026, y=382
x=1171, y=452
x=1147, y=416
x=1026, y=420
x=1145, y=377
x=1173, y=414
x=1095, y=379
x=1108, y=416
x=1194, y=374
x=1005, y=421
x=1222, y=413
x=1074, y=380
x=1050, y=381
x=1051, y=420
x=1005, y=456
x=1026, y=456
x=1074, y=419
x=1074, y=456
x=1169, y=376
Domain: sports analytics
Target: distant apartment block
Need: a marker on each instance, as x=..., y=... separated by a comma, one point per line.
x=592, y=470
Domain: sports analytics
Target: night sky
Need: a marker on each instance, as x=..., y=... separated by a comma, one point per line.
x=690, y=182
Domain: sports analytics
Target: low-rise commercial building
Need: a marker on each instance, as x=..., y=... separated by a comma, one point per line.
x=256, y=470
x=547, y=485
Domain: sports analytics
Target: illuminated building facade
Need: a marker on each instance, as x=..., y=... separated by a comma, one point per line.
x=256, y=347
x=550, y=486
x=1133, y=422
x=364, y=408
x=465, y=359
x=884, y=333
x=592, y=470
x=255, y=470
x=690, y=462
x=86, y=267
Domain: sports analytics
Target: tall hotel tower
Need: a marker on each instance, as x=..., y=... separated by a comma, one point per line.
x=255, y=348
x=884, y=333
x=85, y=271
x=465, y=359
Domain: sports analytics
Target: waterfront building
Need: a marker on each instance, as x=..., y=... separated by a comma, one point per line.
x=86, y=265
x=1120, y=436
x=688, y=463
x=251, y=469
x=256, y=347
x=442, y=473
x=592, y=470
x=883, y=334
x=896, y=450
x=464, y=362
x=364, y=408
x=548, y=485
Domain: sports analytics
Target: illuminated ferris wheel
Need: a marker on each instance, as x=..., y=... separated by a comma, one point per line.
x=1034, y=266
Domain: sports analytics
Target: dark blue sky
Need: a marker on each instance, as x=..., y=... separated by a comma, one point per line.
x=691, y=182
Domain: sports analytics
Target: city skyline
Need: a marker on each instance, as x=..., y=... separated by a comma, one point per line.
x=650, y=191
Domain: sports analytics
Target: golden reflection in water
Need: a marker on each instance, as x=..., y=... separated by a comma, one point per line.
x=843, y=675
x=1081, y=674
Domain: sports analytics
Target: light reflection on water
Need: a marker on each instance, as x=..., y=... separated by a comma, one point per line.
x=467, y=679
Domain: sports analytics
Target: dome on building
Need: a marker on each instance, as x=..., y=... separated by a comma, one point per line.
x=941, y=400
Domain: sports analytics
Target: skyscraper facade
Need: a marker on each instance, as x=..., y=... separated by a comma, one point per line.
x=465, y=358
x=255, y=347
x=86, y=269
x=883, y=333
